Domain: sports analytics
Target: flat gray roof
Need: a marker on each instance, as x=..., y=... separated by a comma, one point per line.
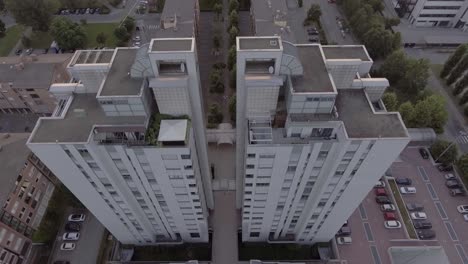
x=271, y=18
x=183, y=11
x=13, y=155
x=315, y=77
x=30, y=75
x=259, y=43
x=118, y=81
x=172, y=45
x=83, y=114
x=92, y=56
x=345, y=52
x=418, y=255
x=361, y=122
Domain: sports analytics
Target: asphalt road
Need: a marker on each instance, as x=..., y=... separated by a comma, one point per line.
x=87, y=247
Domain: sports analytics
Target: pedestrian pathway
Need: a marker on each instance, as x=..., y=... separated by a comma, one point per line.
x=224, y=242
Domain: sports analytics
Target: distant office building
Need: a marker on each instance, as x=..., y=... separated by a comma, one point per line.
x=26, y=188
x=313, y=137
x=24, y=85
x=430, y=13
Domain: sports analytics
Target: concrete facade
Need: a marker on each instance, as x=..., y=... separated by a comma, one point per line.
x=441, y=13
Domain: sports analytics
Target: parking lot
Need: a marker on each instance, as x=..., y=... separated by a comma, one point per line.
x=87, y=247
x=371, y=240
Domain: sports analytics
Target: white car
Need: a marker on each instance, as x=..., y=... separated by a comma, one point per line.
x=465, y=216
x=76, y=217
x=67, y=246
x=380, y=184
x=450, y=176
x=462, y=209
x=137, y=38
x=71, y=236
x=392, y=224
x=344, y=240
x=418, y=216
x=407, y=190
x=387, y=207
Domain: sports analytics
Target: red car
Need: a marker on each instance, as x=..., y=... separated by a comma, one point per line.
x=380, y=192
x=390, y=216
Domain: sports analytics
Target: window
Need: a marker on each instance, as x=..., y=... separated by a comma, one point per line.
x=254, y=234
x=30, y=90
x=250, y=166
x=251, y=155
x=291, y=168
x=249, y=176
x=260, y=184
x=34, y=96
x=194, y=235
x=183, y=156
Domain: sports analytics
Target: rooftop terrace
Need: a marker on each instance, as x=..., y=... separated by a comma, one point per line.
x=92, y=57
x=272, y=43
x=361, y=122
x=345, y=52
x=83, y=113
x=172, y=45
x=118, y=80
x=316, y=77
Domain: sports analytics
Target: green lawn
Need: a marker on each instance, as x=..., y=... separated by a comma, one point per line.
x=92, y=30
x=402, y=208
x=7, y=43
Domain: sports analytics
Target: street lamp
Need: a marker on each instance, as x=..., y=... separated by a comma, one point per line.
x=461, y=138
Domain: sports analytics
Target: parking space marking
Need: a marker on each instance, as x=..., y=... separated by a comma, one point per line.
x=431, y=190
x=362, y=212
x=375, y=254
x=461, y=253
x=368, y=230
x=423, y=174
x=451, y=231
x=153, y=27
x=440, y=209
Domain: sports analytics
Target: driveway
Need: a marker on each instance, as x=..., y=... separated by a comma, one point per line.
x=225, y=223
x=87, y=247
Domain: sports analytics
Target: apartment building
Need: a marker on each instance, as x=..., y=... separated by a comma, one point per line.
x=430, y=13
x=26, y=188
x=24, y=84
x=142, y=172
x=313, y=137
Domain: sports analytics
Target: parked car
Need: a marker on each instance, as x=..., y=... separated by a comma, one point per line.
x=67, y=246
x=380, y=184
x=387, y=207
x=92, y=11
x=29, y=51
x=392, y=224
x=312, y=32
x=445, y=167
x=72, y=227
x=452, y=184
x=414, y=207
x=313, y=40
x=424, y=153
x=71, y=236
x=407, y=190
x=76, y=217
x=418, y=216
x=465, y=216
x=382, y=200
x=403, y=181
x=462, y=209
x=426, y=234
x=344, y=231
x=380, y=192
x=457, y=192
x=450, y=176
x=422, y=225
x=390, y=216
x=344, y=240
x=18, y=51
x=137, y=38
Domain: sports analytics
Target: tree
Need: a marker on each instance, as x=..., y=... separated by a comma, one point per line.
x=463, y=99
x=101, y=38
x=300, y=3
x=233, y=32
x=458, y=70
x=449, y=156
x=377, y=5
x=216, y=81
x=453, y=60
x=231, y=57
x=122, y=35
x=2, y=5
x=218, y=9
x=233, y=5
x=69, y=35
x=314, y=13
x=215, y=116
x=391, y=101
x=406, y=110
x=33, y=13
x=233, y=77
x=232, y=108
x=391, y=22
x=233, y=19
x=462, y=164
x=393, y=66
x=461, y=85
x=129, y=24
x=2, y=29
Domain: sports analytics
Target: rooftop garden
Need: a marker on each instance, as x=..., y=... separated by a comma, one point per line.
x=152, y=132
